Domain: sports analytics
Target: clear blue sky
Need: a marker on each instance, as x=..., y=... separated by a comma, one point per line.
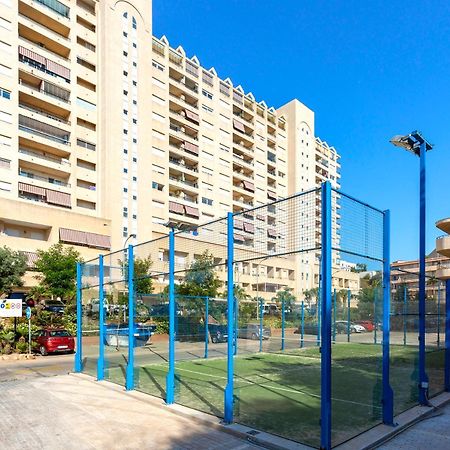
x=369, y=69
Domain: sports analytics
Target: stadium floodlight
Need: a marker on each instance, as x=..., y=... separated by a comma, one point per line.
x=411, y=142
x=181, y=226
x=418, y=145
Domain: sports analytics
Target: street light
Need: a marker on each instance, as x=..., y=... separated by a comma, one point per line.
x=418, y=145
x=131, y=236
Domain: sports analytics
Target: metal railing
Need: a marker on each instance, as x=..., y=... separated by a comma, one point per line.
x=51, y=137
x=178, y=130
x=33, y=176
x=43, y=26
x=56, y=6
x=186, y=182
x=41, y=112
x=43, y=91
x=54, y=159
x=184, y=166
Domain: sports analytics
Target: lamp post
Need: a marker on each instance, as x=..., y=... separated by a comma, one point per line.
x=418, y=145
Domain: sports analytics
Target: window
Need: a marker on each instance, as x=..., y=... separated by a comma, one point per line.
x=125, y=53
x=207, y=109
x=125, y=73
x=207, y=94
x=125, y=170
x=157, y=186
x=125, y=92
x=134, y=197
x=125, y=34
x=5, y=94
x=134, y=24
x=207, y=201
x=157, y=65
x=125, y=111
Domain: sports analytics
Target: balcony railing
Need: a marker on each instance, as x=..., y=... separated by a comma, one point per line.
x=184, y=102
x=54, y=159
x=49, y=180
x=184, y=166
x=46, y=29
x=183, y=84
x=186, y=198
x=186, y=182
x=241, y=160
x=178, y=130
x=41, y=112
x=45, y=90
x=58, y=71
x=56, y=7
x=44, y=130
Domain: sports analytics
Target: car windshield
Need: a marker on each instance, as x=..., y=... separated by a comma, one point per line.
x=59, y=333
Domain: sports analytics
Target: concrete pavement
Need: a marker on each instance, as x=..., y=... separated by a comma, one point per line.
x=74, y=412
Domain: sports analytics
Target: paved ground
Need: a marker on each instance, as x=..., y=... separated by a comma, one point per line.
x=70, y=412
x=431, y=433
x=42, y=366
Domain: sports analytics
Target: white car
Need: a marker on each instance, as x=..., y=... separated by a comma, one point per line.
x=357, y=328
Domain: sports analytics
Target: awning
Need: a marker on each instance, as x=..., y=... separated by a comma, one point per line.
x=98, y=240
x=176, y=208
x=239, y=237
x=238, y=126
x=190, y=211
x=271, y=195
x=238, y=224
x=192, y=116
x=249, y=228
x=30, y=189
x=32, y=55
x=72, y=236
x=271, y=233
x=58, y=198
x=58, y=69
x=249, y=186
x=191, y=148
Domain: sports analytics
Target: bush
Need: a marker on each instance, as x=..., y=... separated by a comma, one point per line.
x=162, y=325
x=21, y=347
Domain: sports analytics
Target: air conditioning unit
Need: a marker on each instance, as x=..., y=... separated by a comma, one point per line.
x=182, y=97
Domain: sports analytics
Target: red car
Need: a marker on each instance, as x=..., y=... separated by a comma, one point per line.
x=367, y=324
x=51, y=340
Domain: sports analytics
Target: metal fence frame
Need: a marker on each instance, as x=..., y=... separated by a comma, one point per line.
x=327, y=316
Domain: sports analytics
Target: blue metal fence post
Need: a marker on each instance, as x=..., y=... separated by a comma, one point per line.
x=79, y=354
x=388, y=395
x=447, y=336
x=405, y=313
x=101, y=322
x=439, y=317
x=129, y=384
x=325, y=398
x=229, y=390
x=349, y=297
x=206, y=325
x=302, y=331
x=282, y=323
x=375, y=315
x=423, y=377
x=334, y=315
x=261, y=318
x=236, y=318
x=319, y=313
x=170, y=378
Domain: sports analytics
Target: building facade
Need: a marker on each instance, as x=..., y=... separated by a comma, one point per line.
x=108, y=133
x=443, y=249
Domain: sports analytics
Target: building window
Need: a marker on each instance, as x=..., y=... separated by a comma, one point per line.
x=125, y=170
x=134, y=179
x=134, y=216
x=125, y=53
x=125, y=73
x=207, y=201
x=134, y=197
x=5, y=94
x=125, y=189
x=125, y=92
x=125, y=151
x=157, y=186
x=134, y=141
x=133, y=21
x=135, y=121
x=125, y=111
x=125, y=34
x=207, y=94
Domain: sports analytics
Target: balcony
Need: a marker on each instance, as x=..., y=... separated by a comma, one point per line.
x=443, y=245
x=241, y=161
x=49, y=90
x=182, y=196
x=36, y=27
x=43, y=113
x=47, y=180
x=36, y=61
x=183, y=165
x=184, y=132
x=60, y=166
x=56, y=6
x=444, y=225
x=43, y=130
x=443, y=272
x=184, y=83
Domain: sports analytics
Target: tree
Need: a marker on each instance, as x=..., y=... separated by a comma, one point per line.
x=360, y=267
x=201, y=279
x=58, y=270
x=13, y=265
x=310, y=294
x=143, y=283
x=285, y=295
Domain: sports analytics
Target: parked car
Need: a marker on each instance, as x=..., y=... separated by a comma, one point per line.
x=251, y=331
x=52, y=340
x=367, y=324
x=54, y=306
x=218, y=333
x=341, y=327
x=271, y=309
x=308, y=328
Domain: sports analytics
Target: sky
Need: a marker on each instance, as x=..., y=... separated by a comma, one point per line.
x=368, y=69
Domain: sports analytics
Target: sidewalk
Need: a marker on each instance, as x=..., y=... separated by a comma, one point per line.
x=71, y=412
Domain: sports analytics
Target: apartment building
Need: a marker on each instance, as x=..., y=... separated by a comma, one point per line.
x=406, y=274
x=443, y=249
x=108, y=134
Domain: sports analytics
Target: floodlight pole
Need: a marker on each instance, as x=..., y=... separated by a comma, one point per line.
x=423, y=378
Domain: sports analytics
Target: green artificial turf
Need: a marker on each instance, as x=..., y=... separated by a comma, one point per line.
x=280, y=392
